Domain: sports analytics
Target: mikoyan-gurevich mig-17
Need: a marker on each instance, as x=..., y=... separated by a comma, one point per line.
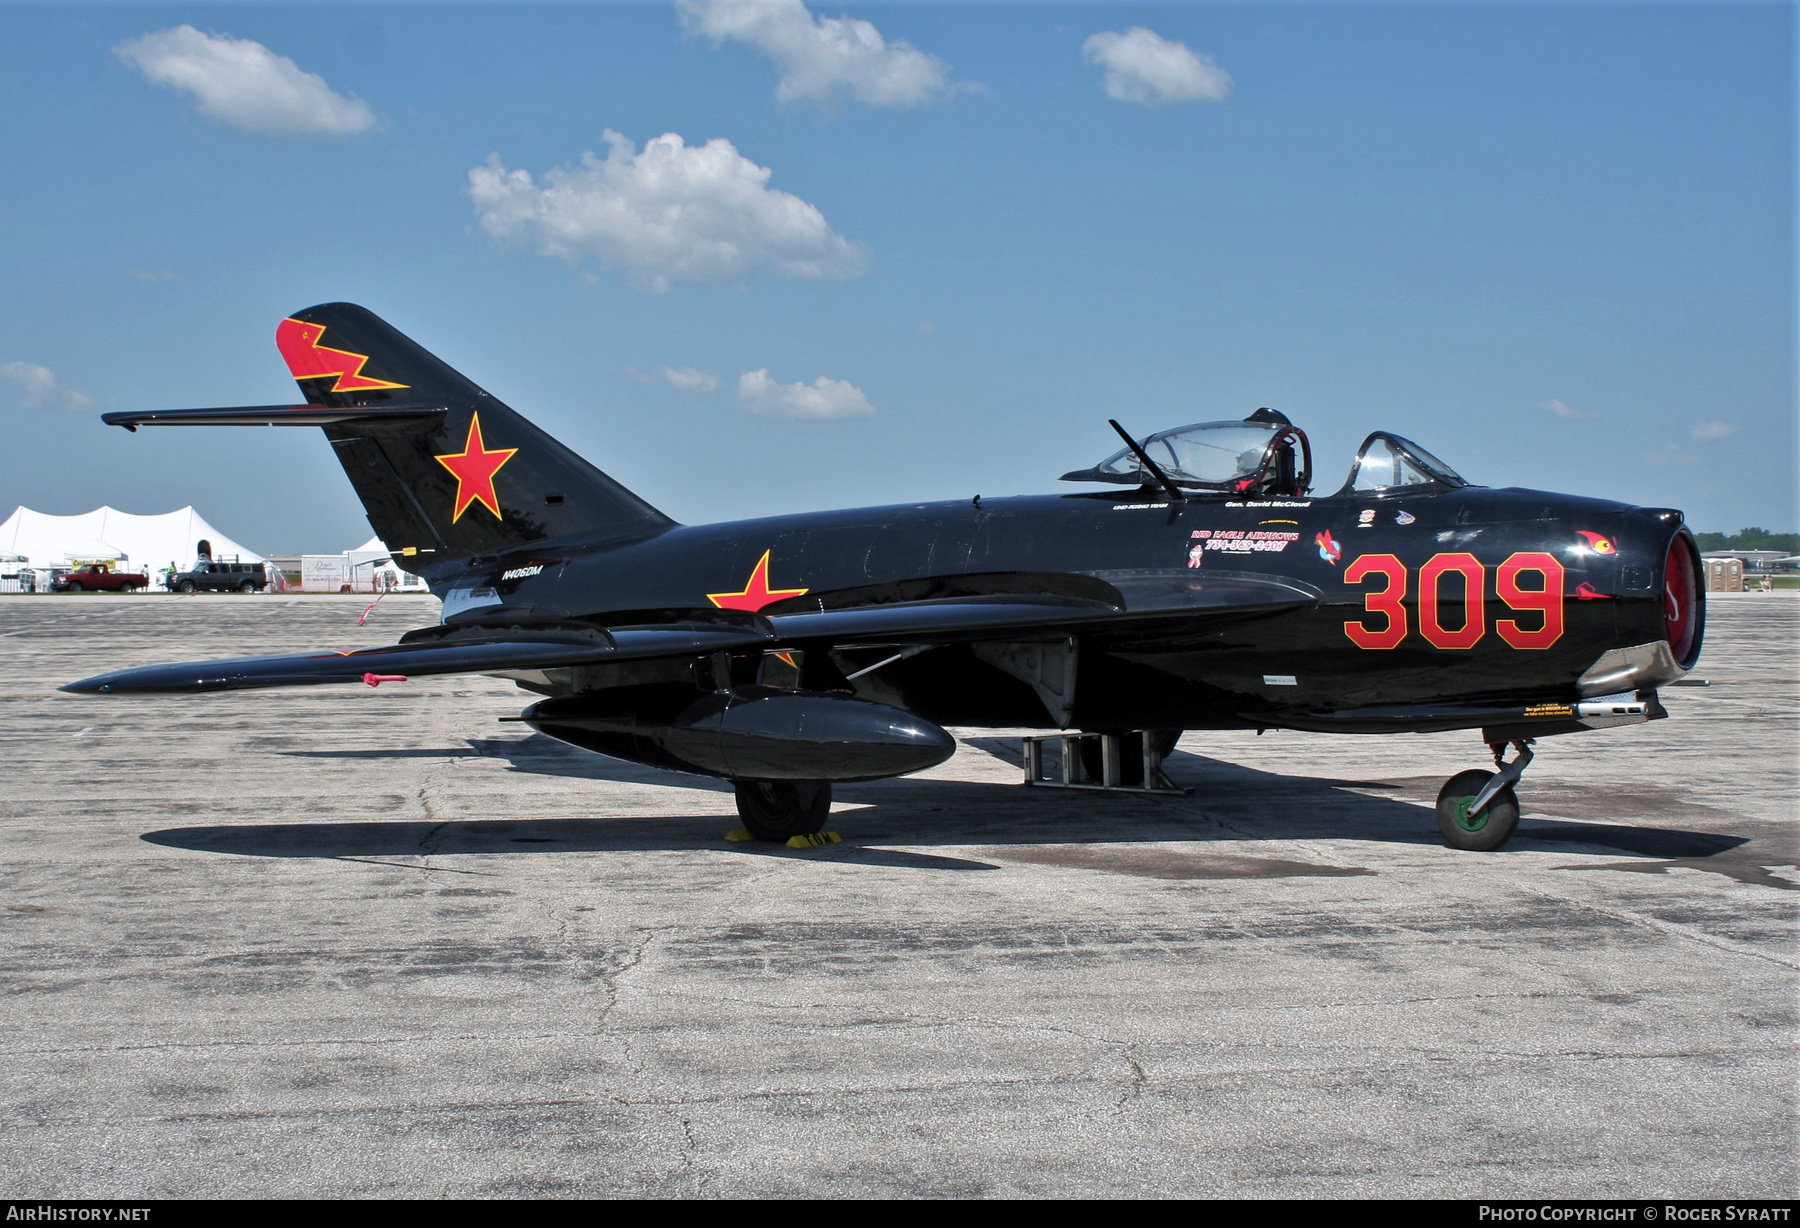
x=1195, y=583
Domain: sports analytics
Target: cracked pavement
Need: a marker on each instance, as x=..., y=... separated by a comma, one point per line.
x=345, y=941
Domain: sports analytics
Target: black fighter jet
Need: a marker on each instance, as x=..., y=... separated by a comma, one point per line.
x=1197, y=583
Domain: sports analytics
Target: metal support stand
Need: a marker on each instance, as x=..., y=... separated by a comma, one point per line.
x=1069, y=774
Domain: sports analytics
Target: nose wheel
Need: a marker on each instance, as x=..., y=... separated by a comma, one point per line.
x=1478, y=810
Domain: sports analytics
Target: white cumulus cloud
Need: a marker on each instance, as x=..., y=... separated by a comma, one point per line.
x=243, y=84
x=823, y=398
x=1143, y=66
x=675, y=212
x=682, y=379
x=41, y=388
x=1710, y=432
x=1566, y=411
x=822, y=59
x=1671, y=457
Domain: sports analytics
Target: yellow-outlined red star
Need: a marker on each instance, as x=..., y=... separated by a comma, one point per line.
x=756, y=592
x=474, y=469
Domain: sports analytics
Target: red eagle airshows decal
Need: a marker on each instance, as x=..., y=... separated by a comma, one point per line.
x=756, y=592
x=298, y=342
x=474, y=468
x=1597, y=543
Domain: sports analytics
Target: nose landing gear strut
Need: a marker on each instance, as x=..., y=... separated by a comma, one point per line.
x=1478, y=810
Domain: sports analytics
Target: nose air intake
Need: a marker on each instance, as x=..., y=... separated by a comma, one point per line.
x=1684, y=612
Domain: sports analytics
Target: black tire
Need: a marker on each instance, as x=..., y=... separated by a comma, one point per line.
x=186, y=586
x=248, y=586
x=72, y=587
x=128, y=588
x=1131, y=756
x=1484, y=832
x=777, y=809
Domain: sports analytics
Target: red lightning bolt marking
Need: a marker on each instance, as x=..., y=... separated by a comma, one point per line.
x=475, y=467
x=756, y=592
x=298, y=342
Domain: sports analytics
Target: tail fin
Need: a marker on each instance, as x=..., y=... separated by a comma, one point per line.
x=475, y=479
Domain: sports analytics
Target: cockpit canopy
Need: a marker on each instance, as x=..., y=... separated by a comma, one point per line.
x=1266, y=456
x=1388, y=462
x=1262, y=454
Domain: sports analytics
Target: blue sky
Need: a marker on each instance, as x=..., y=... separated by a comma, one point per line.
x=1554, y=244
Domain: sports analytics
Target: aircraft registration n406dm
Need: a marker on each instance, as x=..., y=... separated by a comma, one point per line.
x=1194, y=583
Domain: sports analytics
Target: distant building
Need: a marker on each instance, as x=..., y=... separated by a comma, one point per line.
x=1756, y=560
x=370, y=568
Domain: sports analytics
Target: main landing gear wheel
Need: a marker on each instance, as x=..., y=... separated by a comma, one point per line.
x=1485, y=830
x=777, y=809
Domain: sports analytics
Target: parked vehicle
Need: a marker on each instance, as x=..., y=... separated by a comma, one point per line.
x=220, y=577
x=99, y=578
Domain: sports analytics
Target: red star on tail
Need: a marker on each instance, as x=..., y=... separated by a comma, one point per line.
x=475, y=468
x=756, y=592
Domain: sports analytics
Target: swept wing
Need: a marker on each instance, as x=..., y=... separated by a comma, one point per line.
x=1132, y=600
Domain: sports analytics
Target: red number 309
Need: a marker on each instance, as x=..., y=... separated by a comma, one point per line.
x=1387, y=605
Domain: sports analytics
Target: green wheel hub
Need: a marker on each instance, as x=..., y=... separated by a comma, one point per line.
x=1467, y=821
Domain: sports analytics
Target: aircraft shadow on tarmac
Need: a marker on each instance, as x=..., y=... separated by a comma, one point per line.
x=1230, y=804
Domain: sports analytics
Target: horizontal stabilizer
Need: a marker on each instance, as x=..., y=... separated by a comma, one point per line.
x=271, y=415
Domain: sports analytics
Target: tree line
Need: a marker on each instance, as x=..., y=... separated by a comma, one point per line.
x=1750, y=539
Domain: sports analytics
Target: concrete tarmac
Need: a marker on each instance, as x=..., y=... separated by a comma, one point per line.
x=343, y=941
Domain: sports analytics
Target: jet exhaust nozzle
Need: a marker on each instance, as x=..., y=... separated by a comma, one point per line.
x=748, y=733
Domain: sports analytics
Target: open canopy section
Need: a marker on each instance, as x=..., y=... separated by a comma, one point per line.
x=1263, y=454
x=148, y=543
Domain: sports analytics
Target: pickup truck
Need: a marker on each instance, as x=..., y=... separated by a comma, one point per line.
x=221, y=577
x=99, y=578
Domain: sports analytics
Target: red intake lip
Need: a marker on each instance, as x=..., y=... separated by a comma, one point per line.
x=1681, y=610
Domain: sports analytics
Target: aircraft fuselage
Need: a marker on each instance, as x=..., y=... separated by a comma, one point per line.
x=1464, y=600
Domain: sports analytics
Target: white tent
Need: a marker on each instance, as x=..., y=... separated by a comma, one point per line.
x=148, y=543
x=384, y=566
x=371, y=567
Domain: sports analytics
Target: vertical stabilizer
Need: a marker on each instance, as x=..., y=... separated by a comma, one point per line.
x=475, y=479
